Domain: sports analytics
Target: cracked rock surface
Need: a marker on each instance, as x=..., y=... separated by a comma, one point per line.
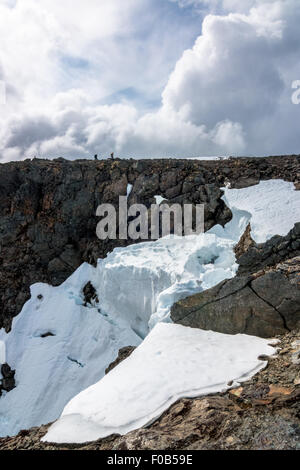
x=263, y=304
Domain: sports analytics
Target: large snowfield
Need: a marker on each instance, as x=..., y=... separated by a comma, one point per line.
x=59, y=347
x=172, y=362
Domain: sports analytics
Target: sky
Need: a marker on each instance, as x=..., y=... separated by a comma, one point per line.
x=148, y=78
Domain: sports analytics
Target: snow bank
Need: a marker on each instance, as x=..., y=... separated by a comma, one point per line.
x=58, y=347
x=173, y=362
x=274, y=207
x=136, y=286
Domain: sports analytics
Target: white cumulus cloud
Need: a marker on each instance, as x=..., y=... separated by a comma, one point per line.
x=107, y=77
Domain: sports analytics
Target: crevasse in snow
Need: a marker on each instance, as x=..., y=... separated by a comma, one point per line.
x=136, y=286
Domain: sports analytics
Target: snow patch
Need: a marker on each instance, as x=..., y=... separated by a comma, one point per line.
x=159, y=199
x=129, y=189
x=222, y=157
x=172, y=362
x=274, y=207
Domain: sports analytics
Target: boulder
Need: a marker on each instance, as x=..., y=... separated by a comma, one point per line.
x=7, y=383
x=90, y=294
x=264, y=304
x=253, y=257
x=122, y=355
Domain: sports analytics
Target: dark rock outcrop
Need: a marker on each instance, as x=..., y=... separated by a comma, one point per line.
x=7, y=383
x=123, y=354
x=245, y=243
x=90, y=294
x=263, y=304
x=263, y=255
x=47, y=209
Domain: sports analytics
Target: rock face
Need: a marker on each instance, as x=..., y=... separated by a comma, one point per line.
x=245, y=243
x=262, y=414
x=47, y=209
x=7, y=383
x=260, y=256
x=123, y=354
x=90, y=294
x=263, y=304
